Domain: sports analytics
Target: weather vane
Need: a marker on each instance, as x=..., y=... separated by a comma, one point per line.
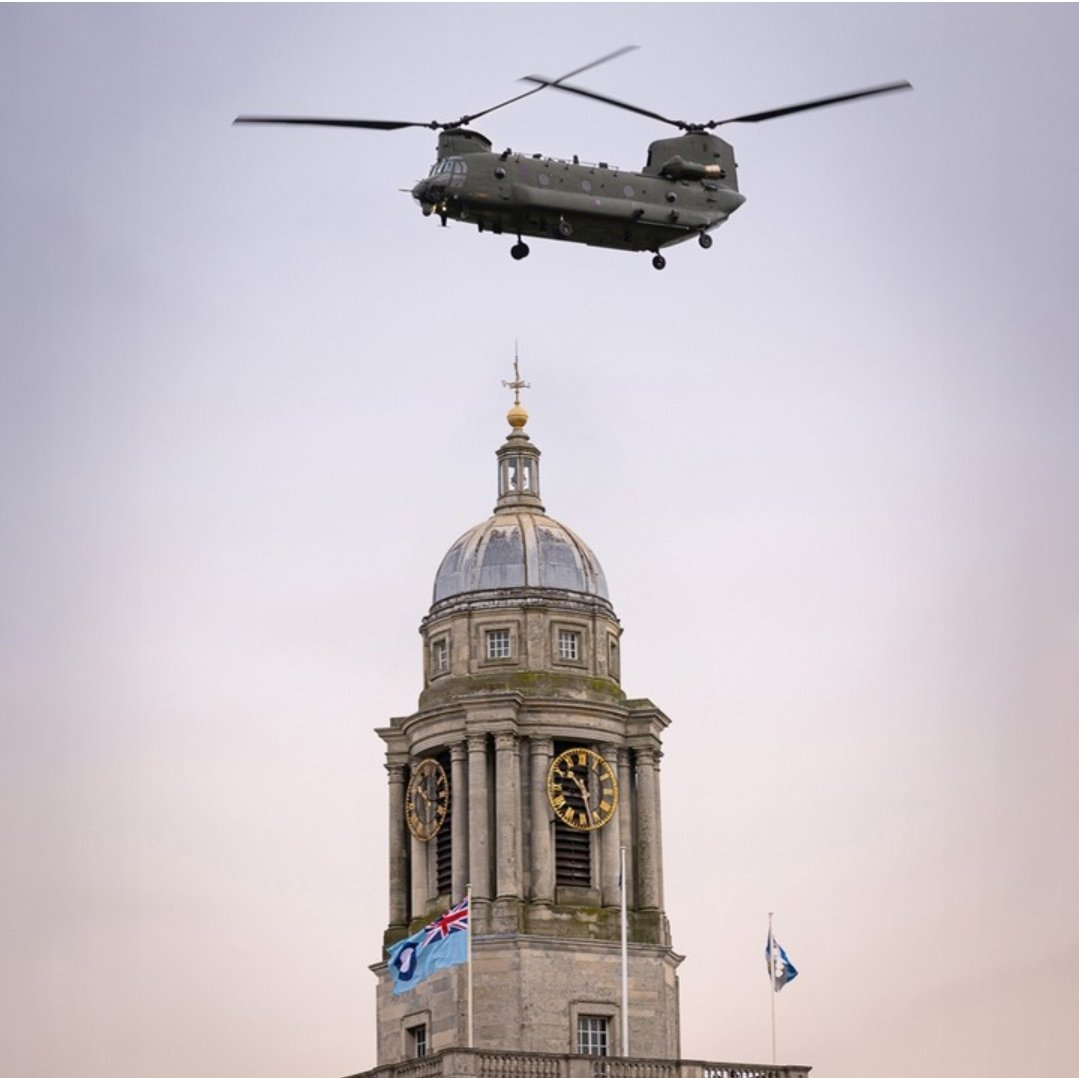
x=516, y=385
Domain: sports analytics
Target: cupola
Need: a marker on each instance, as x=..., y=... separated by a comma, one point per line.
x=535, y=582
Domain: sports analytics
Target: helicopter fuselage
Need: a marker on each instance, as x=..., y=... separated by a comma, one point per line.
x=687, y=188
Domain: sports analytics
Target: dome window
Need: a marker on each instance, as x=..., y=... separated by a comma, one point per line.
x=569, y=645
x=498, y=644
x=440, y=656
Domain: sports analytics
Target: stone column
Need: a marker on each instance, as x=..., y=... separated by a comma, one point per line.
x=542, y=748
x=626, y=822
x=399, y=849
x=508, y=815
x=479, y=859
x=648, y=853
x=610, y=839
x=459, y=820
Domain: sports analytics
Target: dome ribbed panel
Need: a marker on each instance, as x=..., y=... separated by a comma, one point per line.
x=517, y=550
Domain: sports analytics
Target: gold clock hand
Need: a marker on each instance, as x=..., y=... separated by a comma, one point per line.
x=584, y=795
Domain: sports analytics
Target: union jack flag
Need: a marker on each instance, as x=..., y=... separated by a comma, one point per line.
x=453, y=920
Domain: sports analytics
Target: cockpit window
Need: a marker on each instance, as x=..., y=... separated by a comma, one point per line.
x=449, y=165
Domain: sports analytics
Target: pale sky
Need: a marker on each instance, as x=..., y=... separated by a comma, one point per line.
x=830, y=467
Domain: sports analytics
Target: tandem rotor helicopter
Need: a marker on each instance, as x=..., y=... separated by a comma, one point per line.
x=687, y=188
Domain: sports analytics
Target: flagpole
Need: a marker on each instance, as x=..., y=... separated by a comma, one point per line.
x=468, y=896
x=625, y=950
x=772, y=980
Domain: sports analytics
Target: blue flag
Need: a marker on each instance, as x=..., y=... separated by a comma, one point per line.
x=780, y=968
x=442, y=943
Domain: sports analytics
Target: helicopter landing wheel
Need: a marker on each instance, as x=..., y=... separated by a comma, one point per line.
x=704, y=240
x=563, y=228
x=519, y=250
x=659, y=262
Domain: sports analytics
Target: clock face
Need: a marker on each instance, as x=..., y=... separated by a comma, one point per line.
x=427, y=800
x=582, y=789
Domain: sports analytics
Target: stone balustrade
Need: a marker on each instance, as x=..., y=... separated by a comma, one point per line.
x=477, y=1063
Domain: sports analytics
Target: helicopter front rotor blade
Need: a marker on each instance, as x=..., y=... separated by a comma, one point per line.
x=557, y=84
x=434, y=125
x=315, y=121
x=553, y=82
x=821, y=102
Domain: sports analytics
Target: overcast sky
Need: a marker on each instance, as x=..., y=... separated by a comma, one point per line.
x=250, y=396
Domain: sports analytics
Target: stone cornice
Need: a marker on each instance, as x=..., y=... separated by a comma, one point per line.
x=522, y=598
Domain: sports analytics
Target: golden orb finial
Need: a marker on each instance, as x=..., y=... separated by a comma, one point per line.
x=517, y=416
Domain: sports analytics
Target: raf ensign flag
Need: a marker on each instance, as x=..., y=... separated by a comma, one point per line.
x=780, y=968
x=442, y=943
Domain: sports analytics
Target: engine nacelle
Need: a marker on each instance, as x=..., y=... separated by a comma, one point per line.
x=456, y=141
x=678, y=168
x=697, y=155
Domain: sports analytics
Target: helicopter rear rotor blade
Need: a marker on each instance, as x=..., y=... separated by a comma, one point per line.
x=820, y=102
x=751, y=117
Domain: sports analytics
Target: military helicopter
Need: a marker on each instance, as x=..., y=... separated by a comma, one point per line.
x=687, y=188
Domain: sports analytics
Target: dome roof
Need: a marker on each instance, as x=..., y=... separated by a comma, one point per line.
x=520, y=546
x=522, y=549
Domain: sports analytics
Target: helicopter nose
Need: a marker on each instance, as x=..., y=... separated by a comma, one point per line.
x=429, y=193
x=422, y=194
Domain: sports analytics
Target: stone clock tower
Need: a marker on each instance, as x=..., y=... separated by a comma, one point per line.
x=523, y=773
